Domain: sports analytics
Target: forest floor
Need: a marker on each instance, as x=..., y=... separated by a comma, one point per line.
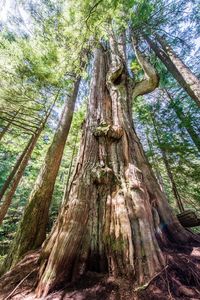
x=180, y=279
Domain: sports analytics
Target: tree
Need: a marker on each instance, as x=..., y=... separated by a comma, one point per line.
x=114, y=219
x=6, y=128
x=186, y=121
x=167, y=165
x=176, y=67
x=109, y=202
x=8, y=190
x=32, y=229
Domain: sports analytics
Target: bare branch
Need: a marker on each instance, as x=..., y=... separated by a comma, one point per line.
x=151, y=80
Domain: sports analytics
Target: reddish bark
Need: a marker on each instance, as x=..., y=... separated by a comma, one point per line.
x=108, y=222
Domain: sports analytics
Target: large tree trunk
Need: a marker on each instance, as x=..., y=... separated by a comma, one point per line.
x=32, y=229
x=106, y=223
x=189, y=82
x=185, y=121
x=167, y=226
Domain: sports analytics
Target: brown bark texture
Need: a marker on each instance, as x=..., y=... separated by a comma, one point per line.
x=114, y=212
x=32, y=229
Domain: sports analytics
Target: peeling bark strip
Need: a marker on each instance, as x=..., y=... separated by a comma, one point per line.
x=106, y=223
x=32, y=229
x=189, y=82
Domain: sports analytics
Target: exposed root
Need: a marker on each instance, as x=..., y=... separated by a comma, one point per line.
x=180, y=279
x=21, y=279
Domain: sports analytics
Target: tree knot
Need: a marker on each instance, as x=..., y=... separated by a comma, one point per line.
x=103, y=175
x=115, y=75
x=114, y=132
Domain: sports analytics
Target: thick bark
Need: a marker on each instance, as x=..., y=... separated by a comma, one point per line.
x=108, y=207
x=7, y=127
x=185, y=121
x=32, y=229
x=167, y=226
x=189, y=82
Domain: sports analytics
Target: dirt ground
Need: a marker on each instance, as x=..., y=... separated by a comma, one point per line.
x=180, y=279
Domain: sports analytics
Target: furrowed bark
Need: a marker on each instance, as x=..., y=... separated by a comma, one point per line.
x=110, y=203
x=114, y=206
x=189, y=82
x=32, y=229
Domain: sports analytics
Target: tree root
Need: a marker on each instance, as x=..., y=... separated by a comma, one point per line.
x=180, y=279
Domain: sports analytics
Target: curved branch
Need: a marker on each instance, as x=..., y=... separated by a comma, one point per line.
x=151, y=79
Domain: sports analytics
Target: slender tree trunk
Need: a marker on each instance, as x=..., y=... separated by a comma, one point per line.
x=185, y=121
x=168, y=168
x=32, y=229
x=156, y=164
x=189, y=82
x=8, y=195
x=15, y=168
x=8, y=190
x=108, y=207
x=7, y=127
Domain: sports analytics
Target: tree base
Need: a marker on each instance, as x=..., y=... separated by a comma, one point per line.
x=180, y=279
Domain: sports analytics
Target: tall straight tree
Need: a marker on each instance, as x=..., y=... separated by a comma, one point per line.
x=32, y=228
x=9, y=188
x=7, y=127
x=185, y=120
x=109, y=202
x=167, y=165
x=189, y=82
